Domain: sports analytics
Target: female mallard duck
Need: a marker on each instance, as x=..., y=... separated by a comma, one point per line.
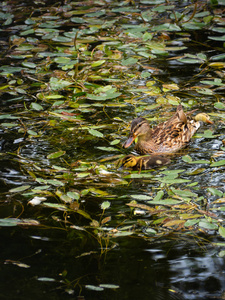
x=166, y=137
x=144, y=162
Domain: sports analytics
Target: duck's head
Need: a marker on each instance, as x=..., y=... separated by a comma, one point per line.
x=129, y=161
x=203, y=117
x=139, y=126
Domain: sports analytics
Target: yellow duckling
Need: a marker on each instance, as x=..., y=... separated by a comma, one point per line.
x=166, y=137
x=145, y=162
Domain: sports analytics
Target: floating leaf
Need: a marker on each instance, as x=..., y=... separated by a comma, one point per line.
x=184, y=193
x=164, y=202
x=109, y=149
x=56, y=154
x=191, y=222
x=74, y=195
x=97, y=63
x=95, y=133
x=14, y=222
x=94, y=288
x=36, y=106
x=9, y=222
x=222, y=231
x=219, y=105
x=84, y=214
x=218, y=163
x=109, y=286
x=215, y=192
x=140, y=197
x=29, y=65
x=158, y=196
x=55, y=182
x=207, y=225
x=109, y=94
x=46, y=279
x=129, y=61
x=59, y=84
x=19, y=189
x=56, y=206
x=105, y=205
x=169, y=180
x=187, y=158
x=221, y=253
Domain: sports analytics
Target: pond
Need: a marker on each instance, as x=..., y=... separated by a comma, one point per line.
x=73, y=76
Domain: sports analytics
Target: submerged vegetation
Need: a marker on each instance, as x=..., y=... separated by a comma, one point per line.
x=72, y=77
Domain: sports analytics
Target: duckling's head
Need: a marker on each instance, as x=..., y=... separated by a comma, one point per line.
x=129, y=161
x=203, y=117
x=139, y=126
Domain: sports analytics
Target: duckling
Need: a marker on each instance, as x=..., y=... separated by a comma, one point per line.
x=145, y=162
x=166, y=137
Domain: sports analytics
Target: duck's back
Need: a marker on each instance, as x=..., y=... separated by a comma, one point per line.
x=171, y=135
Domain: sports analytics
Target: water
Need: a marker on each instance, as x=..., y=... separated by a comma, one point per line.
x=77, y=251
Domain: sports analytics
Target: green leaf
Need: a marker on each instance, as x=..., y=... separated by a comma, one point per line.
x=97, y=63
x=59, y=84
x=9, y=222
x=140, y=197
x=29, y=65
x=115, y=142
x=55, y=182
x=109, y=149
x=36, y=106
x=7, y=116
x=191, y=222
x=218, y=57
x=219, y=105
x=190, y=60
x=105, y=205
x=84, y=214
x=218, y=163
x=95, y=133
x=129, y=61
x=62, y=60
x=20, y=189
x=55, y=205
x=221, y=253
x=74, y=195
x=222, y=231
x=109, y=94
x=215, y=192
x=172, y=181
x=165, y=202
x=78, y=20
x=56, y=154
x=207, y=225
x=158, y=196
x=184, y=193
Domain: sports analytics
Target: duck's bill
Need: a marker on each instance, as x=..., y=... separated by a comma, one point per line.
x=129, y=141
x=209, y=121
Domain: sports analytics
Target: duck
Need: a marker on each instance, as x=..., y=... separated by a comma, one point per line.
x=144, y=162
x=167, y=137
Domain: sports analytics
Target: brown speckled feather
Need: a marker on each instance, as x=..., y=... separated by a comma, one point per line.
x=166, y=137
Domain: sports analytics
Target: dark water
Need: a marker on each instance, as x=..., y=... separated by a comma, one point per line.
x=174, y=270
x=60, y=260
